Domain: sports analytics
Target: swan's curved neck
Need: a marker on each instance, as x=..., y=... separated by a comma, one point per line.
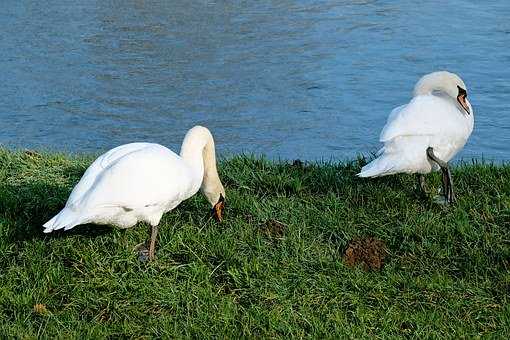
x=198, y=152
x=427, y=84
x=441, y=82
x=192, y=151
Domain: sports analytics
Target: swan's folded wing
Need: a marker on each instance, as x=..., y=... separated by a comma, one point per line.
x=148, y=177
x=424, y=115
x=99, y=165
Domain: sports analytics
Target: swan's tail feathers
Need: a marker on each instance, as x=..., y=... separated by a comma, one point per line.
x=381, y=166
x=65, y=219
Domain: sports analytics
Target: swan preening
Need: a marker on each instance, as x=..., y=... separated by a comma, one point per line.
x=140, y=182
x=426, y=133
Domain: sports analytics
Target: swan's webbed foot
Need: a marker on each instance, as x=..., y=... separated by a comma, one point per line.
x=142, y=251
x=449, y=195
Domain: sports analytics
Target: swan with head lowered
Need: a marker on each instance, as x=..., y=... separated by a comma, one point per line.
x=425, y=134
x=140, y=182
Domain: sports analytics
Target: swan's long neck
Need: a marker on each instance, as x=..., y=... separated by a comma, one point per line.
x=198, y=151
x=192, y=153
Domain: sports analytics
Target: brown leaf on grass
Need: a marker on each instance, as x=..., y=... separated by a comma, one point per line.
x=40, y=309
x=369, y=252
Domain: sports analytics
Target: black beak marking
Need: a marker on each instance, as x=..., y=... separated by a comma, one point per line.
x=461, y=98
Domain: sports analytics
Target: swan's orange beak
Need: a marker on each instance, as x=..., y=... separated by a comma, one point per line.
x=218, y=208
x=462, y=99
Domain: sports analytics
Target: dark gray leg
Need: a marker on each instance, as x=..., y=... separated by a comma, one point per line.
x=444, y=178
x=447, y=176
x=451, y=194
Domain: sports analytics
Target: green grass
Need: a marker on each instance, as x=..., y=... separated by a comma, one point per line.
x=447, y=273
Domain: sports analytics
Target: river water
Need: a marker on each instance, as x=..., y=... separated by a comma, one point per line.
x=288, y=79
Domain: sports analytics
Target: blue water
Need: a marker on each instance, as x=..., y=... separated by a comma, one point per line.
x=289, y=79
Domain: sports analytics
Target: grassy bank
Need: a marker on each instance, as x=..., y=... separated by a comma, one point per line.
x=447, y=272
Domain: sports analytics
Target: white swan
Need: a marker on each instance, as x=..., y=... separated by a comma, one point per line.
x=426, y=133
x=140, y=182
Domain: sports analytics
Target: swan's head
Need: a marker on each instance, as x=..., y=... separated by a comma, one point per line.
x=216, y=198
x=218, y=208
x=444, y=83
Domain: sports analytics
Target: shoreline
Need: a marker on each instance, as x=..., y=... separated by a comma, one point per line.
x=446, y=271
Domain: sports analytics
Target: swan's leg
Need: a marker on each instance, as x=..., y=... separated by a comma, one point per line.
x=451, y=194
x=447, y=176
x=143, y=252
x=421, y=184
x=448, y=188
x=144, y=248
x=152, y=245
x=444, y=178
x=431, y=155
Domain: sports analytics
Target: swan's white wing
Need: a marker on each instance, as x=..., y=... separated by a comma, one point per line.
x=427, y=121
x=424, y=116
x=394, y=113
x=150, y=176
x=128, y=184
x=101, y=163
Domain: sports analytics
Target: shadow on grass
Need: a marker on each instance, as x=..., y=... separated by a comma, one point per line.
x=25, y=206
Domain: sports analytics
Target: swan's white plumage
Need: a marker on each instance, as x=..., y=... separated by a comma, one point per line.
x=135, y=182
x=428, y=120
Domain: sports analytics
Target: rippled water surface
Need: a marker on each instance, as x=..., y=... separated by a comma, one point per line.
x=290, y=79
